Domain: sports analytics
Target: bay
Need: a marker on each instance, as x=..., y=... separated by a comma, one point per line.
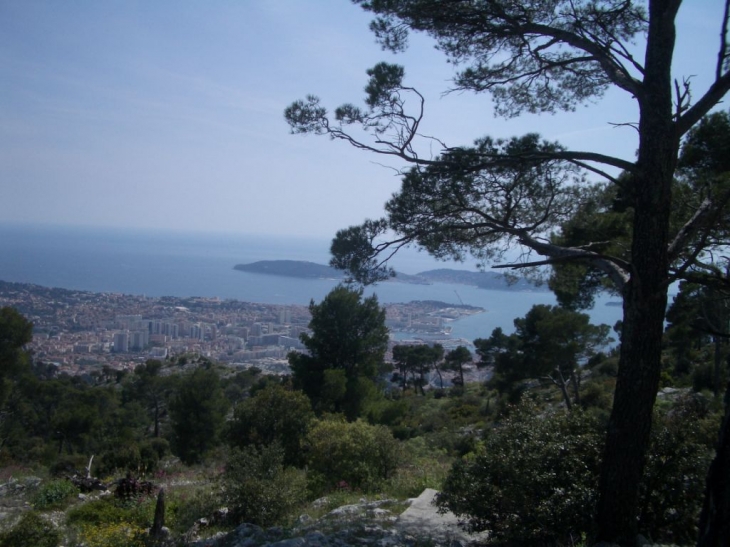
x=159, y=263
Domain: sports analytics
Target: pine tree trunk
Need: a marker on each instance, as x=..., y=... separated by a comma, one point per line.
x=575, y=378
x=630, y=423
x=718, y=366
x=645, y=296
x=157, y=420
x=560, y=382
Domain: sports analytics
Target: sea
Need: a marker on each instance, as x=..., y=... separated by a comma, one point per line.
x=167, y=263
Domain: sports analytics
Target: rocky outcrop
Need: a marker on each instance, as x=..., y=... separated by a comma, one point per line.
x=368, y=523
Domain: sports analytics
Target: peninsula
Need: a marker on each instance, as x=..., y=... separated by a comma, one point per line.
x=312, y=270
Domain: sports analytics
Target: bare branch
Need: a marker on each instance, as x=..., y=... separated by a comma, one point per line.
x=616, y=268
x=684, y=97
x=713, y=95
x=632, y=125
x=690, y=228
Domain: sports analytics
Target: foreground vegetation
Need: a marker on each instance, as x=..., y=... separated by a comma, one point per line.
x=518, y=456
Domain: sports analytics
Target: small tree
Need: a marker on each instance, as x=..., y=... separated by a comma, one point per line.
x=403, y=355
x=456, y=359
x=550, y=343
x=348, y=334
x=700, y=316
x=197, y=411
x=152, y=390
x=15, y=332
x=416, y=360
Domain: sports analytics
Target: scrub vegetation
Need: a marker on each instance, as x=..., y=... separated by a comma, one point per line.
x=511, y=455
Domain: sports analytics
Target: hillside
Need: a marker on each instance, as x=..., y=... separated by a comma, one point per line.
x=483, y=280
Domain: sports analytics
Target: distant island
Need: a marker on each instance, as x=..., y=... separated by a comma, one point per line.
x=311, y=270
x=291, y=268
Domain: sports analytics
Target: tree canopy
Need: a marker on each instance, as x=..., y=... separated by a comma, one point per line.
x=549, y=343
x=345, y=350
x=544, y=56
x=197, y=411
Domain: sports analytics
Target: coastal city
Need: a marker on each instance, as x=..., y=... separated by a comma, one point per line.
x=86, y=333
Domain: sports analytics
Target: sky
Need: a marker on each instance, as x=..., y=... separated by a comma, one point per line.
x=169, y=114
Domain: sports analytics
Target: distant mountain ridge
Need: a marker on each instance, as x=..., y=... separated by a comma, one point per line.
x=483, y=280
x=312, y=270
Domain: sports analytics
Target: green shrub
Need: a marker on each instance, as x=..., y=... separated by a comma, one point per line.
x=386, y=411
x=160, y=446
x=31, y=531
x=121, y=459
x=68, y=465
x=532, y=482
x=95, y=513
x=534, y=479
x=273, y=415
x=673, y=486
x=139, y=513
x=703, y=377
x=189, y=505
x=597, y=394
x=422, y=467
x=257, y=487
x=356, y=453
x=149, y=458
x=113, y=535
x=54, y=494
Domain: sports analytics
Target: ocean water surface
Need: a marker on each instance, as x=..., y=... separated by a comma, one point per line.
x=158, y=263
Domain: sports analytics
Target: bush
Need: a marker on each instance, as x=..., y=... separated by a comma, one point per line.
x=388, y=412
x=673, y=486
x=160, y=446
x=54, y=494
x=68, y=465
x=703, y=377
x=113, y=535
x=273, y=415
x=189, y=505
x=597, y=394
x=357, y=453
x=31, y=531
x=257, y=487
x=137, y=513
x=423, y=467
x=121, y=459
x=532, y=482
x=96, y=513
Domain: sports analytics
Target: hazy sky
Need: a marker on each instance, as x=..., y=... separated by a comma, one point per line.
x=169, y=114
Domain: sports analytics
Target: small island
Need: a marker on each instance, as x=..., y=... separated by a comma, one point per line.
x=291, y=268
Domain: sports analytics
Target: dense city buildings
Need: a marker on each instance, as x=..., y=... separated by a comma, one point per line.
x=78, y=332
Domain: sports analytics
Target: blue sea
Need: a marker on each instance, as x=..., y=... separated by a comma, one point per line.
x=163, y=263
